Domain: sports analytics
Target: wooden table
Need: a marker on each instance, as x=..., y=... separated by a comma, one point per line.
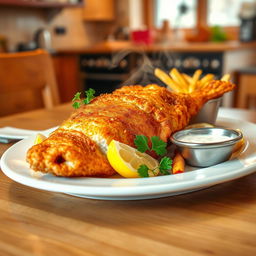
x=220, y=220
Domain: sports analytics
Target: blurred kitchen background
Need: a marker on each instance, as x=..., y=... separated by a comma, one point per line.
x=103, y=44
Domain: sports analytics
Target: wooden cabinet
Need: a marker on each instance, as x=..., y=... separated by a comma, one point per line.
x=99, y=10
x=41, y=4
x=51, y=8
x=245, y=94
x=67, y=75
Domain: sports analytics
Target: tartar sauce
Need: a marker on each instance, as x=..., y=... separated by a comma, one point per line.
x=203, y=138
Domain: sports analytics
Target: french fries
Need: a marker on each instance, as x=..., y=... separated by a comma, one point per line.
x=207, y=78
x=225, y=77
x=195, y=79
x=167, y=80
x=178, y=164
x=188, y=78
x=183, y=83
x=179, y=79
x=239, y=145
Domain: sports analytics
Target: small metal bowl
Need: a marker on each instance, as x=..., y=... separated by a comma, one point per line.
x=208, y=112
x=204, y=154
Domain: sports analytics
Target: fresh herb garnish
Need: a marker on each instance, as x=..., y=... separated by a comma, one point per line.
x=143, y=171
x=159, y=146
x=89, y=96
x=77, y=96
x=76, y=105
x=165, y=165
x=77, y=100
x=141, y=142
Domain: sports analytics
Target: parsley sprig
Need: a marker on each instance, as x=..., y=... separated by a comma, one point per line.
x=159, y=146
x=78, y=101
x=141, y=142
x=164, y=165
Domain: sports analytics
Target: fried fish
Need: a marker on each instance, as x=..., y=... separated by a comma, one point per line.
x=78, y=147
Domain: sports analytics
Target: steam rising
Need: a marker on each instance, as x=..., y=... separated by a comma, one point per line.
x=143, y=73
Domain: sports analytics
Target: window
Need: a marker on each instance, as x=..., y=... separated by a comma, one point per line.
x=171, y=10
x=218, y=12
x=224, y=13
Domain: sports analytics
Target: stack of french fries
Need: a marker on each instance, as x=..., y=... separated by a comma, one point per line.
x=180, y=82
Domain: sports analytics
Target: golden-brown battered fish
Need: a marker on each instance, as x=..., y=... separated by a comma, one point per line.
x=78, y=147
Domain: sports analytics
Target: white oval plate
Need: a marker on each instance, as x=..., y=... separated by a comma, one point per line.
x=14, y=165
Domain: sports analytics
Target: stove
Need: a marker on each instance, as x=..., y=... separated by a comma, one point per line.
x=102, y=73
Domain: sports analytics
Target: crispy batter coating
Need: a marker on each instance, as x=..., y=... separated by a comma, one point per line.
x=78, y=147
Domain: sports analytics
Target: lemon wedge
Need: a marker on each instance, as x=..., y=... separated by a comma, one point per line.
x=126, y=160
x=239, y=145
x=39, y=138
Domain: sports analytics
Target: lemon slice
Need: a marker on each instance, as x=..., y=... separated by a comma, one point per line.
x=39, y=138
x=126, y=160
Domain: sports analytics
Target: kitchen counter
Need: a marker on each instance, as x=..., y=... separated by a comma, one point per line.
x=107, y=47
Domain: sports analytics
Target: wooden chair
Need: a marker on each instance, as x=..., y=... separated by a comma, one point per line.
x=246, y=91
x=27, y=82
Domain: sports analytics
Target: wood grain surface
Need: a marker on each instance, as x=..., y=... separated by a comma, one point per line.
x=220, y=220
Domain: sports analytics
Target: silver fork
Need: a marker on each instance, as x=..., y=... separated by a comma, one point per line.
x=5, y=140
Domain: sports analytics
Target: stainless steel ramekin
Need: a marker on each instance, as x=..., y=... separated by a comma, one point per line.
x=208, y=112
x=209, y=153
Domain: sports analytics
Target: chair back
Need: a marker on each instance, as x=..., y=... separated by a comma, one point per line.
x=27, y=82
x=245, y=95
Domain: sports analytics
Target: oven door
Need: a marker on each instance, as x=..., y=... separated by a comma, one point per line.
x=102, y=83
